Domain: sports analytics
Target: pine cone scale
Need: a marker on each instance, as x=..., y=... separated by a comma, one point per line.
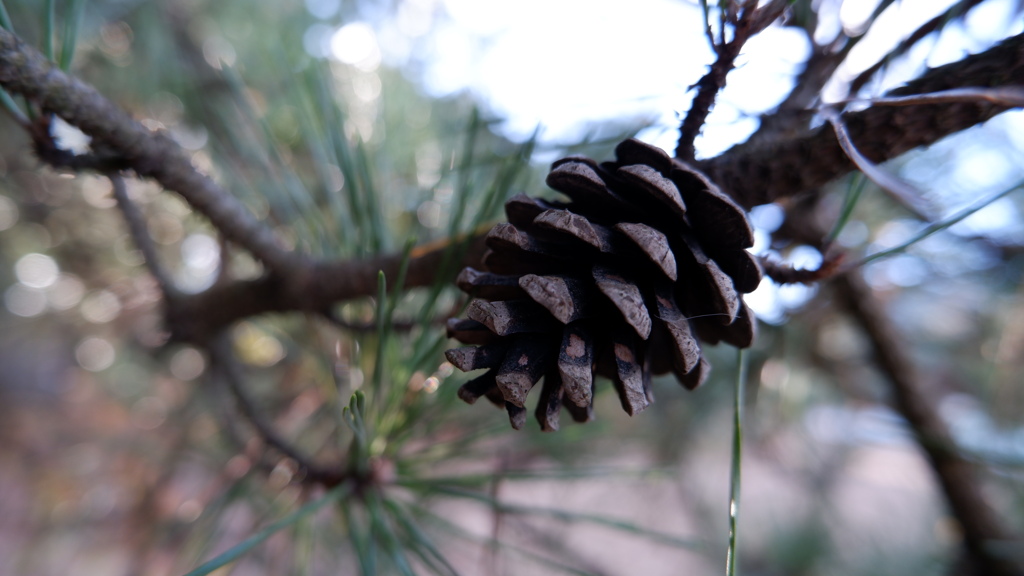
x=576, y=226
x=509, y=316
x=521, y=210
x=658, y=191
x=521, y=368
x=714, y=215
x=633, y=151
x=741, y=266
x=685, y=351
x=584, y=186
x=484, y=385
x=575, y=364
x=470, y=331
x=626, y=297
x=489, y=286
x=694, y=378
x=628, y=379
x=564, y=298
x=653, y=244
x=472, y=358
x=516, y=415
x=550, y=403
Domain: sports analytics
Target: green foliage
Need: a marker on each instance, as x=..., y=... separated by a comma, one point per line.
x=229, y=556
x=5, y=18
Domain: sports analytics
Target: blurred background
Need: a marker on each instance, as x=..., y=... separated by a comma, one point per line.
x=353, y=126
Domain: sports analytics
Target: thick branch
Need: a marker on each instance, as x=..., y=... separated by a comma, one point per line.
x=25, y=71
x=981, y=526
x=758, y=173
x=197, y=317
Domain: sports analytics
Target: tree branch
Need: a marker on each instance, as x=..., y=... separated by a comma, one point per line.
x=197, y=317
x=761, y=172
x=140, y=235
x=225, y=368
x=954, y=12
x=981, y=526
x=752, y=21
x=904, y=193
x=25, y=71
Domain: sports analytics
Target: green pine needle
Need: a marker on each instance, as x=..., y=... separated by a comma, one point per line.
x=49, y=29
x=363, y=544
x=383, y=531
x=71, y=28
x=11, y=107
x=502, y=544
x=736, y=474
x=419, y=542
x=242, y=548
x=5, y=18
x=853, y=193
x=382, y=340
x=941, y=225
x=571, y=516
x=557, y=474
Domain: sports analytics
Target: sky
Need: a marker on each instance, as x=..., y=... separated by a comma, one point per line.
x=565, y=64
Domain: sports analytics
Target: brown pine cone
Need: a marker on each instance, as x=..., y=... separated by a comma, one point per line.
x=647, y=257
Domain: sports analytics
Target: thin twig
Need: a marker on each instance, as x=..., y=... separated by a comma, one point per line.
x=370, y=327
x=748, y=23
x=1009, y=96
x=903, y=47
x=794, y=113
x=707, y=26
x=936, y=227
x=957, y=478
x=898, y=189
x=140, y=235
x=225, y=368
x=25, y=71
x=788, y=274
x=760, y=172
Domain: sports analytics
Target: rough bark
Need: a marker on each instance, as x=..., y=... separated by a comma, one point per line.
x=761, y=172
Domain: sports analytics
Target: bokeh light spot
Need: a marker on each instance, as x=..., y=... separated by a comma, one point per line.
x=100, y=307
x=23, y=301
x=66, y=292
x=187, y=364
x=95, y=354
x=356, y=44
x=8, y=213
x=36, y=270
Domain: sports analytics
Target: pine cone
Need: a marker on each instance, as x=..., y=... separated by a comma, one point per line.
x=646, y=258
